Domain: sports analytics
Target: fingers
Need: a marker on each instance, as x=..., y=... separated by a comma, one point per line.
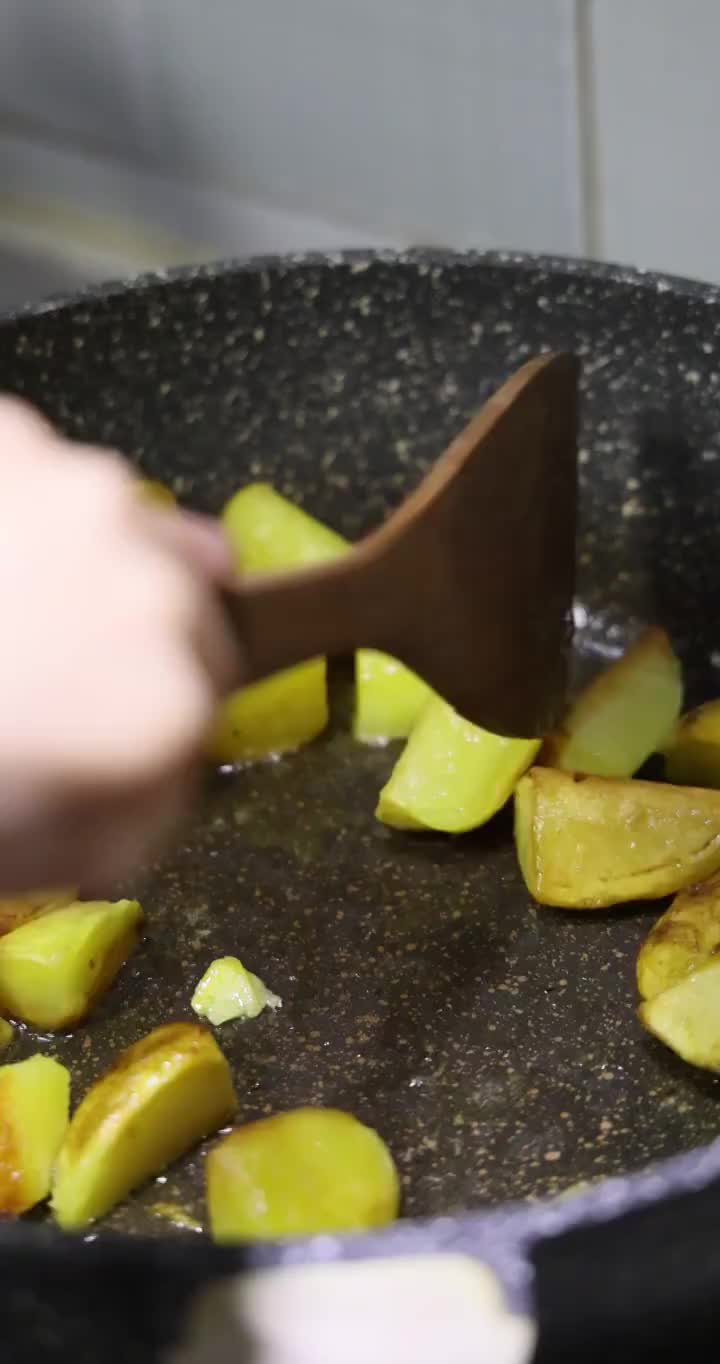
x=117, y=651
x=199, y=540
x=21, y=421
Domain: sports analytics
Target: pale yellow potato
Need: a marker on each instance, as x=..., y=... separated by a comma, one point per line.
x=17, y=909
x=452, y=776
x=687, y=1016
x=590, y=842
x=297, y=1173
x=266, y=533
x=162, y=1096
x=271, y=717
x=55, y=967
x=389, y=698
x=693, y=755
x=684, y=937
x=627, y=713
x=34, y=1109
x=227, y=990
x=7, y=1033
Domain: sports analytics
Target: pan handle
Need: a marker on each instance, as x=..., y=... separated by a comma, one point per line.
x=641, y=1287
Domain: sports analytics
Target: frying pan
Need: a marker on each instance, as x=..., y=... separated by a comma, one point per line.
x=494, y=1044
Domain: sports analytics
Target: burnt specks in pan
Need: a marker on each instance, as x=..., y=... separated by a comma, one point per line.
x=494, y=1045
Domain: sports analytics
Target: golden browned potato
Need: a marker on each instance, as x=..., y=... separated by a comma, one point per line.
x=162, y=1096
x=686, y=1017
x=34, y=1106
x=693, y=755
x=297, y=1173
x=17, y=909
x=625, y=715
x=589, y=842
x=682, y=939
x=55, y=967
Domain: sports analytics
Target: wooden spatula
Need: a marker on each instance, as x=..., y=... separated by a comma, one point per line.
x=470, y=582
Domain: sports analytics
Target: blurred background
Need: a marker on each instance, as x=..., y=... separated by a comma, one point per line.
x=140, y=133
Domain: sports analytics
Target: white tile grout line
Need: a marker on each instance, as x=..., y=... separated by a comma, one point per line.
x=588, y=132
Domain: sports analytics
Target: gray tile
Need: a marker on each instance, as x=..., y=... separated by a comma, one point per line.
x=25, y=278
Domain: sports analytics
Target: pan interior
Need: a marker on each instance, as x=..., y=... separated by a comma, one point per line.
x=493, y=1044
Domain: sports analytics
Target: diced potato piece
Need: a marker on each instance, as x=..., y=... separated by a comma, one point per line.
x=682, y=939
x=589, y=842
x=273, y=716
x=34, y=1108
x=54, y=968
x=162, y=1096
x=267, y=532
x=687, y=1016
x=228, y=991
x=297, y=1173
x=692, y=758
x=6, y=1034
x=154, y=491
x=17, y=909
x=625, y=715
x=452, y=775
x=389, y=698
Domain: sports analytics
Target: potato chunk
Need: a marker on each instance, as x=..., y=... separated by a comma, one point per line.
x=451, y=775
x=162, y=1096
x=227, y=990
x=297, y=1173
x=271, y=717
x=589, y=842
x=682, y=939
x=389, y=698
x=34, y=1107
x=54, y=968
x=267, y=532
x=692, y=757
x=687, y=1016
x=625, y=715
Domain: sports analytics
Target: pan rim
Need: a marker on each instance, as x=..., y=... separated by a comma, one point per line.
x=503, y=1236
x=430, y=257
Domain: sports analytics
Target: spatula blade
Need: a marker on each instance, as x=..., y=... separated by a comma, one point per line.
x=484, y=552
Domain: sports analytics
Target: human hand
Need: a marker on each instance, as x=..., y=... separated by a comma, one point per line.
x=115, y=654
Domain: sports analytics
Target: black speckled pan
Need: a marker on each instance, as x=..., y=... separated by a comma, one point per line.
x=492, y=1043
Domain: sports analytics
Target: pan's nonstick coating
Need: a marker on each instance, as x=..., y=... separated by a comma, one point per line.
x=492, y=1043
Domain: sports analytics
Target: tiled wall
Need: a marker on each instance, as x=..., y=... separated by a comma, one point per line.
x=580, y=126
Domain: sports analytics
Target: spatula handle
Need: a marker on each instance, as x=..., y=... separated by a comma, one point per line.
x=285, y=618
